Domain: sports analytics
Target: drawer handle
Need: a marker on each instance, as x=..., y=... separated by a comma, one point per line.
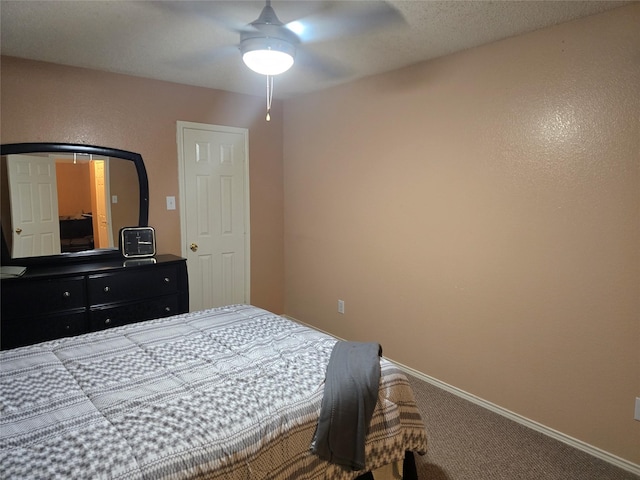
x=107, y=321
x=107, y=289
x=167, y=280
x=66, y=294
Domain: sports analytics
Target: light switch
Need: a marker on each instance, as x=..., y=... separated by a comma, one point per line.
x=114, y=198
x=171, y=203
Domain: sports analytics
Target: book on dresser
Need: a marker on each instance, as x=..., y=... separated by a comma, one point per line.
x=49, y=302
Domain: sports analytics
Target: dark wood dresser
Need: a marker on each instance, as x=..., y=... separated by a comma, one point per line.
x=49, y=302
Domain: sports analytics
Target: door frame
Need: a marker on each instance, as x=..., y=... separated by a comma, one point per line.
x=180, y=126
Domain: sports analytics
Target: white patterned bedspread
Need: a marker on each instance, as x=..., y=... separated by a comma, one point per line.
x=228, y=393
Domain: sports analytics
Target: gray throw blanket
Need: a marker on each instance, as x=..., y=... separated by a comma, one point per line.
x=350, y=396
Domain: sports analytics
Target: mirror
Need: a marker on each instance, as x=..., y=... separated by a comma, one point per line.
x=67, y=202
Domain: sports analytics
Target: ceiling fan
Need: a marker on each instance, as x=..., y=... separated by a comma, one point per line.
x=270, y=47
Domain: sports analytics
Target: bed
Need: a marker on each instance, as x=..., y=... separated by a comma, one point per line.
x=76, y=233
x=226, y=393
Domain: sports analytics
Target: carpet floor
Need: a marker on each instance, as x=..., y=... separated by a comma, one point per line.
x=469, y=442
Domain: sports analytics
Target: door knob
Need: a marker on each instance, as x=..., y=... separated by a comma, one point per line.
x=18, y=231
x=193, y=247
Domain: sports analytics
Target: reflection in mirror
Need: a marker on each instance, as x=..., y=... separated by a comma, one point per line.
x=67, y=202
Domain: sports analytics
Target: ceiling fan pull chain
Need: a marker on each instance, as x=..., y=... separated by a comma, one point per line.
x=269, y=96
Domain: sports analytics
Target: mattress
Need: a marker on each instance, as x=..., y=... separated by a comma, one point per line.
x=227, y=393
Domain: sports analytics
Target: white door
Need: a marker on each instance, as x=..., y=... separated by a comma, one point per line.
x=214, y=213
x=34, y=205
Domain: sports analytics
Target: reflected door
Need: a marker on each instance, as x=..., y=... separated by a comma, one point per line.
x=34, y=206
x=99, y=207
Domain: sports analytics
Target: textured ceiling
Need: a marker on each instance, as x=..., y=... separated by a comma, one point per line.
x=195, y=43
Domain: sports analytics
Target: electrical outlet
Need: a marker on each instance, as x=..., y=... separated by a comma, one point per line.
x=637, y=414
x=340, y=306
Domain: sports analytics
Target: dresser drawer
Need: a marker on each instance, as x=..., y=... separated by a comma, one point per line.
x=132, y=285
x=106, y=317
x=27, y=331
x=25, y=299
x=53, y=301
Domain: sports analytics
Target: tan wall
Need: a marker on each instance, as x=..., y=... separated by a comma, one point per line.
x=74, y=192
x=480, y=216
x=42, y=102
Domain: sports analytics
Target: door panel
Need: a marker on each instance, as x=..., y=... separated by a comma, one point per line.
x=34, y=205
x=214, y=209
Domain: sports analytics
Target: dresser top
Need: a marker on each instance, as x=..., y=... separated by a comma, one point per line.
x=93, y=266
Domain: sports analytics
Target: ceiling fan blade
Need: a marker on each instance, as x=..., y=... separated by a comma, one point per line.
x=206, y=58
x=345, y=19
x=223, y=14
x=320, y=65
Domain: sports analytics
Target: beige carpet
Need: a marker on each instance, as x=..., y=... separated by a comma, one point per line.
x=468, y=442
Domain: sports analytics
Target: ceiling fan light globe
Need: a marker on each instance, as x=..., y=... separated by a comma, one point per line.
x=266, y=54
x=268, y=62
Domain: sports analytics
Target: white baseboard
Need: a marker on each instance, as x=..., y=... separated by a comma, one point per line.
x=550, y=432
